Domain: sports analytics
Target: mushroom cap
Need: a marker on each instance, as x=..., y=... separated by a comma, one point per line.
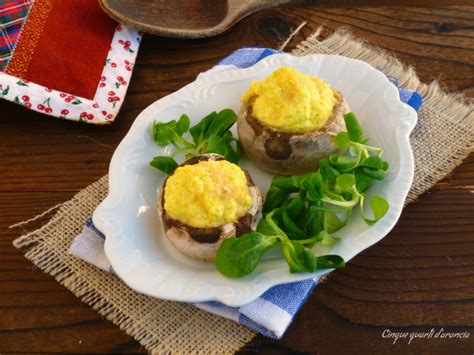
x=202, y=243
x=288, y=153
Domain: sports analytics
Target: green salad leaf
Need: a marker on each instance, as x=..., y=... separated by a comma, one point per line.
x=164, y=133
x=165, y=164
x=341, y=140
x=303, y=211
x=211, y=135
x=354, y=130
x=237, y=257
x=183, y=125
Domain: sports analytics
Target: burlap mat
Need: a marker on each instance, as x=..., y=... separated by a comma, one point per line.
x=443, y=137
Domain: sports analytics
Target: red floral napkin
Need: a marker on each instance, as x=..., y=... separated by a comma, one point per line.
x=67, y=59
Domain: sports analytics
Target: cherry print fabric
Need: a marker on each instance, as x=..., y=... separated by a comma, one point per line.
x=75, y=63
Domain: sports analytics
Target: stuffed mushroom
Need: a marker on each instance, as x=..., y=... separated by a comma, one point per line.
x=287, y=120
x=206, y=200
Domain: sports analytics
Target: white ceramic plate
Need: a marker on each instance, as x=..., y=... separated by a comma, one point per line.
x=135, y=244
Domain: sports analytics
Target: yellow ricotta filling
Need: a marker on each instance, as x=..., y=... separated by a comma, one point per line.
x=207, y=194
x=290, y=101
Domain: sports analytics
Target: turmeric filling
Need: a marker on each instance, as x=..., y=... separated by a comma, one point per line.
x=290, y=101
x=207, y=194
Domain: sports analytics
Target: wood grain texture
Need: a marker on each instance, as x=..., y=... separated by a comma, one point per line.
x=185, y=18
x=420, y=276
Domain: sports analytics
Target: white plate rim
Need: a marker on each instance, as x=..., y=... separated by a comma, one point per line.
x=103, y=216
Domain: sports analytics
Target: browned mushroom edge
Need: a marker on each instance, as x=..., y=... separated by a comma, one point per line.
x=206, y=235
x=277, y=145
x=288, y=153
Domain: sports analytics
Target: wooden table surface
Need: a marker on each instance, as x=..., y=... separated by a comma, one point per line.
x=421, y=276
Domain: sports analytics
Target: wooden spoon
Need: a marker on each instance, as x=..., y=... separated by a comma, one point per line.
x=184, y=18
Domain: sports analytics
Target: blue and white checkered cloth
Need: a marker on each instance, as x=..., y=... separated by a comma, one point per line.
x=271, y=313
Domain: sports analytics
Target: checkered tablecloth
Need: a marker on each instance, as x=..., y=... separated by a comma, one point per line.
x=13, y=14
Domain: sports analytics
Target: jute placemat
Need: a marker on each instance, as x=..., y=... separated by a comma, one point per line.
x=443, y=137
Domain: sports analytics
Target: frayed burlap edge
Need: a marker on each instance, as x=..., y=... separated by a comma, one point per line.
x=172, y=327
x=160, y=326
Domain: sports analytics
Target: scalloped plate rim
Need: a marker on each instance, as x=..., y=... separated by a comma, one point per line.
x=100, y=214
